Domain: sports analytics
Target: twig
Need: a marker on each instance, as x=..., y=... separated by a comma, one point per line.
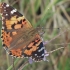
x=55, y=50
x=47, y=42
x=61, y=44
x=23, y=65
x=65, y=13
x=14, y=2
x=13, y=63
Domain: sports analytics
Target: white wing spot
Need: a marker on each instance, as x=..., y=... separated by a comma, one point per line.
x=7, y=5
x=14, y=10
x=6, y=14
x=3, y=18
x=35, y=54
x=42, y=54
x=11, y=12
x=2, y=27
x=33, y=59
x=41, y=49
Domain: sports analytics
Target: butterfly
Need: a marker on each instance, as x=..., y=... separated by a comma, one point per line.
x=18, y=36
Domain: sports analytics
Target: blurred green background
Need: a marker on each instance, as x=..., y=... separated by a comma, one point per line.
x=54, y=17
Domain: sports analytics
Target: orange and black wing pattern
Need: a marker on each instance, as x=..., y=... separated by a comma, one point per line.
x=18, y=36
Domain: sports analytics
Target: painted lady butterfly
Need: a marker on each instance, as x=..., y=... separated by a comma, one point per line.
x=18, y=36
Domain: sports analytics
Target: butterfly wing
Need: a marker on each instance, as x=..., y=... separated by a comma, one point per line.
x=18, y=36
